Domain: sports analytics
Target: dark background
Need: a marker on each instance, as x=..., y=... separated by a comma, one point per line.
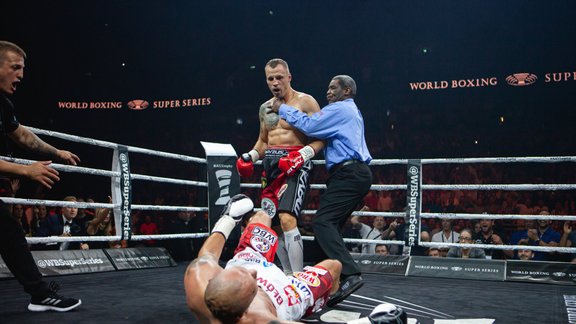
x=217, y=49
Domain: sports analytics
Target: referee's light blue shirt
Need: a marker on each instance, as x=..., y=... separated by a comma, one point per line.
x=340, y=124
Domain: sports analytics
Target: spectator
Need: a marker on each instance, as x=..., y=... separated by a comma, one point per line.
x=520, y=236
x=421, y=250
x=63, y=225
x=306, y=228
x=525, y=254
x=183, y=249
x=462, y=252
x=90, y=212
x=378, y=231
x=149, y=228
x=17, y=212
x=489, y=236
x=433, y=226
x=101, y=225
x=349, y=231
x=477, y=228
x=42, y=213
x=82, y=218
x=424, y=236
x=568, y=239
x=29, y=221
x=446, y=235
x=434, y=252
x=543, y=235
x=381, y=249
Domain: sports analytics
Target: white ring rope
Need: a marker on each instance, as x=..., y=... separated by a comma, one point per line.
x=57, y=203
x=449, y=187
x=377, y=187
x=501, y=247
x=363, y=241
x=51, y=239
x=501, y=187
x=169, y=208
x=540, y=159
x=65, y=167
x=168, y=180
x=110, y=145
x=54, y=203
x=497, y=216
x=90, y=171
x=364, y=213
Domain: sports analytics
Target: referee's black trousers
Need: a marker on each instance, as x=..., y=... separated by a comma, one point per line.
x=345, y=189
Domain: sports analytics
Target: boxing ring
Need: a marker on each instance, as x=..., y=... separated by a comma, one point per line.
x=157, y=295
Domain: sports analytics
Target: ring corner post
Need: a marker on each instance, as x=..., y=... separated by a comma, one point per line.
x=122, y=193
x=223, y=182
x=414, y=205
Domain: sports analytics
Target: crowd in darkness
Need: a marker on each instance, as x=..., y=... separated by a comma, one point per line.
x=385, y=141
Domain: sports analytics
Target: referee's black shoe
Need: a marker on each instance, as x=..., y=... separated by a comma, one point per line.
x=347, y=287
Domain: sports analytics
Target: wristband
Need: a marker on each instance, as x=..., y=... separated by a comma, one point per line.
x=254, y=155
x=224, y=225
x=307, y=152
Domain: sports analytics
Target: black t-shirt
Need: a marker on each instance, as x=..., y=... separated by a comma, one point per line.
x=493, y=254
x=8, y=123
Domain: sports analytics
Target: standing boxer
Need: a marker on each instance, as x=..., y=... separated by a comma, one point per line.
x=287, y=166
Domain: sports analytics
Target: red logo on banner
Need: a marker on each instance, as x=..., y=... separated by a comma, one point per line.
x=138, y=104
x=521, y=79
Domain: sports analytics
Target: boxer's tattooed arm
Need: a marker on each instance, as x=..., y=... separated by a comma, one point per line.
x=268, y=117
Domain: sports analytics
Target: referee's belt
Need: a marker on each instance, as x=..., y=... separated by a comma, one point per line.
x=342, y=164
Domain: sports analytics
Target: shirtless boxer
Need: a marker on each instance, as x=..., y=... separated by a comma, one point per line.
x=251, y=288
x=287, y=166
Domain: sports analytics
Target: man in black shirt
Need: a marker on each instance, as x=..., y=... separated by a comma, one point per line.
x=13, y=246
x=490, y=236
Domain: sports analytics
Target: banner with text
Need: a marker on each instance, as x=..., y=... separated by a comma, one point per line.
x=122, y=192
x=414, y=203
x=390, y=264
x=137, y=258
x=536, y=271
x=51, y=263
x=478, y=269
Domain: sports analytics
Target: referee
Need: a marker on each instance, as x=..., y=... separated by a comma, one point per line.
x=341, y=126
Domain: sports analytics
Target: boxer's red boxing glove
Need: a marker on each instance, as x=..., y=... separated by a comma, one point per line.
x=295, y=160
x=245, y=163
